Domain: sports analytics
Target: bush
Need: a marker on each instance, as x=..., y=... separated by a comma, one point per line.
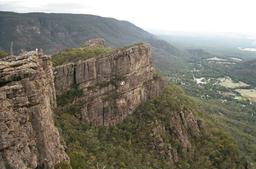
x=63, y=165
x=3, y=54
x=69, y=96
x=131, y=143
x=76, y=54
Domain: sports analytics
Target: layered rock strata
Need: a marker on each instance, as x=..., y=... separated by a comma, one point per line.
x=28, y=137
x=113, y=86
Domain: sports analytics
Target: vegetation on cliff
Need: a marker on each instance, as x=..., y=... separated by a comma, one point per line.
x=76, y=54
x=3, y=54
x=141, y=141
x=129, y=145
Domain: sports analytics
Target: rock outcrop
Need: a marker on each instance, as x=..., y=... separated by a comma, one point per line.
x=28, y=137
x=184, y=127
x=113, y=86
x=95, y=43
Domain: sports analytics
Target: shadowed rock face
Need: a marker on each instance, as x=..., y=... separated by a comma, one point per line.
x=113, y=86
x=28, y=137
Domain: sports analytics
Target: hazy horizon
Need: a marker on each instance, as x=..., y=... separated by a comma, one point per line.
x=162, y=15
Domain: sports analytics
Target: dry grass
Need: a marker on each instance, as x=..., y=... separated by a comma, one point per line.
x=228, y=82
x=248, y=93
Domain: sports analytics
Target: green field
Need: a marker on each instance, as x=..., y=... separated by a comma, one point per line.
x=229, y=83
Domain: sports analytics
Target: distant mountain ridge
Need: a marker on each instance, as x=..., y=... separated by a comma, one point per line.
x=54, y=32
x=64, y=30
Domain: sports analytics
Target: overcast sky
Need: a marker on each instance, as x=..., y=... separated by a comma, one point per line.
x=169, y=15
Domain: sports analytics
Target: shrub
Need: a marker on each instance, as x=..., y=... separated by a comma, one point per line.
x=3, y=54
x=76, y=54
x=63, y=165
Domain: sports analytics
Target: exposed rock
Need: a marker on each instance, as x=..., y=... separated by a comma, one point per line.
x=113, y=86
x=28, y=137
x=94, y=43
x=65, y=77
x=184, y=127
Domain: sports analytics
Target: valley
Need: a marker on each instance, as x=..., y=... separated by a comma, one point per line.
x=227, y=98
x=112, y=95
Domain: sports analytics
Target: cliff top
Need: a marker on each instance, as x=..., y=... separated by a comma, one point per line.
x=76, y=54
x=90, y=49
x=14, y=68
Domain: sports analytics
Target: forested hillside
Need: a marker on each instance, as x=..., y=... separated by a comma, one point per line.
x=245, y=71
x=166, y=132
x=55, y=32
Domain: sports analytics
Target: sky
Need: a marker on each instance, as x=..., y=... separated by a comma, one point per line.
x=236, y=16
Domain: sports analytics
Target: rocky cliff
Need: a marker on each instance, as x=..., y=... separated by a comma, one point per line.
x=163, y=132
x=113, y=85
x=184, y=128
x=28, y=136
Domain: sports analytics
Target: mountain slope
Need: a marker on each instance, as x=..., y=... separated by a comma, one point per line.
x=54, y=32
x=65, y=30
x=165, y=132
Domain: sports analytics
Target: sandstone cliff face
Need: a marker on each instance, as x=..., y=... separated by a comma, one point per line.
x=113, y=86
x=28, y=136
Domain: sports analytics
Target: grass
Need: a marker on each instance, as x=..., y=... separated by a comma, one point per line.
x=76, y=54
x=3, y=54
x=227, y=82
x=250, y=94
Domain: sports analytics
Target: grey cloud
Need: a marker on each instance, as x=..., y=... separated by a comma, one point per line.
x=67, y=7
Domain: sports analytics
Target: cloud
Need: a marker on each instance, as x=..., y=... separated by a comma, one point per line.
x=66, y=7
x=44, y=6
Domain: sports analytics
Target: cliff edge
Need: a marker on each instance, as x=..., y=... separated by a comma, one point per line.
x=112, y=85
x=102, y=87
x=28, y=137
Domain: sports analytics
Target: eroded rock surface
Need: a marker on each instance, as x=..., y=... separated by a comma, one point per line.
x=113, y=86
x=184, y=127
x=28, y=137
